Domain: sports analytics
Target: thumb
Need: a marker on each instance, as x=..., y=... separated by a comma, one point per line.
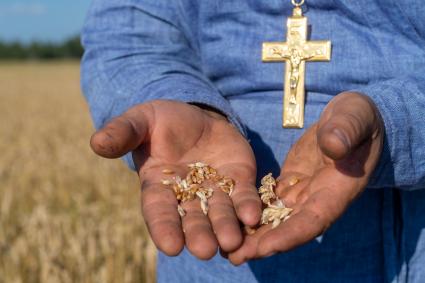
x=124, y=133
x=349, y=120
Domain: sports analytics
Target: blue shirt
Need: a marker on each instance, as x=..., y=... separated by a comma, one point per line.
x=210, y=52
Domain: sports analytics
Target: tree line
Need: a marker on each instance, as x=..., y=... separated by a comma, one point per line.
x=69, y=49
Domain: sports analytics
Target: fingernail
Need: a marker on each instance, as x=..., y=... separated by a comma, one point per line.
x=342, y=137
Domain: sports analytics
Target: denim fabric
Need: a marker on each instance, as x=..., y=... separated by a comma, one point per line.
x=210, y=52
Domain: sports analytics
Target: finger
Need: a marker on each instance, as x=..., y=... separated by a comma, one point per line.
x=224, y=221
x=124, y=133
x=248, y=250
x=245, y=198
x=289, y=187
x=199, y=236
x=159, y=208
x=311, y=218
x=349, y=120
x=297, y=230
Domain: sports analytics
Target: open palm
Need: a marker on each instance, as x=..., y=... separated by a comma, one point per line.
x=325, y=170
x=169, y=135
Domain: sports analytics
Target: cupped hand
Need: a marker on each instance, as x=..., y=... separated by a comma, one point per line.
x=325, y=170
x=169, y=135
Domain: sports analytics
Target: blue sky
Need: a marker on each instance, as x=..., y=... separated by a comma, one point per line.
x=46, y=20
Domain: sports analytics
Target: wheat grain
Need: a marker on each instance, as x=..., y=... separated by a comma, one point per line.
x=181, y=210
x=193, y=185
x=166, y=182
x=266, y=191
x=293, y=181
x=199, y=182
x=276, y=211
x=167, y=171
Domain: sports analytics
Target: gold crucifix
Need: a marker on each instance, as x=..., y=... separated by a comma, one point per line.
x=295, y=51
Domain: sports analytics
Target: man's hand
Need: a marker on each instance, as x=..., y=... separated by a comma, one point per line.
x=170, y=135
x=324, y=172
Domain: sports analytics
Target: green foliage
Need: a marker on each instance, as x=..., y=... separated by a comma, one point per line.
x=69, y=49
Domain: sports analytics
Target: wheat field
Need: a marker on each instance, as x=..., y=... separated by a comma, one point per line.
x=65, y=214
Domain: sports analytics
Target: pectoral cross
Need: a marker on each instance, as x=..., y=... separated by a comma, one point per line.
x=295, y=52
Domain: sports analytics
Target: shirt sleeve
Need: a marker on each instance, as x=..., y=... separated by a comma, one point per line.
x=401, y=102
x=137, y=51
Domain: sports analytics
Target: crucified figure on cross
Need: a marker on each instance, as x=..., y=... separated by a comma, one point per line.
x=295, y=58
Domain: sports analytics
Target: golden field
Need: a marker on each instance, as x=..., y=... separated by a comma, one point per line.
x=65, y=214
